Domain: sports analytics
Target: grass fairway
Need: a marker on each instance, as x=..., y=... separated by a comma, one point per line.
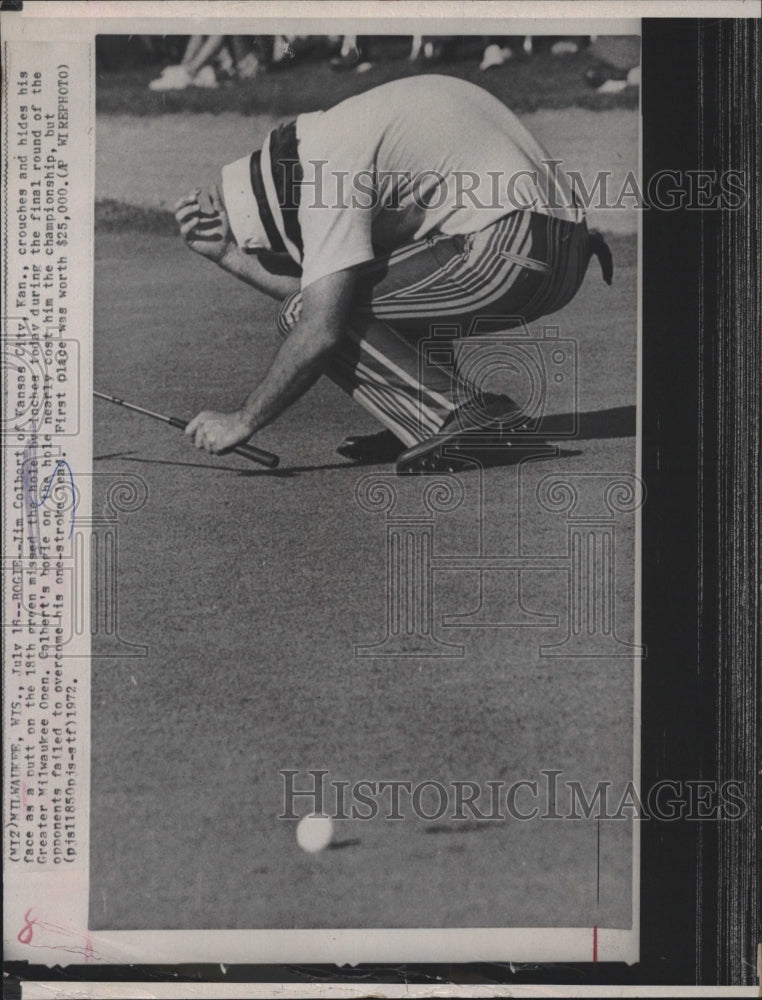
x=251, y=588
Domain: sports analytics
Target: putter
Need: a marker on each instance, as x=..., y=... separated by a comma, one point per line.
x=249, y=451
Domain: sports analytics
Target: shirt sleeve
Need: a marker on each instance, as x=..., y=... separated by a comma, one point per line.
x=335, y=209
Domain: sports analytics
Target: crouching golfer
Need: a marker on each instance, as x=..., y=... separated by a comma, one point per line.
x=423, y=202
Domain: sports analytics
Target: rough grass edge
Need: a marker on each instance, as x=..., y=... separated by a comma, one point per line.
x=113, y=216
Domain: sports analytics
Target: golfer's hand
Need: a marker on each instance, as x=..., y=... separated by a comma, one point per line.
x=206, y=233
x=218, y=432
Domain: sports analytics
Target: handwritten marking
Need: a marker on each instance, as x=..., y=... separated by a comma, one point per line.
x=29, y=465
x=26, y=933
x=60, y=464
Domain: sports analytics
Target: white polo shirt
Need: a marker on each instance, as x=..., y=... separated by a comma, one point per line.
x=412, y=158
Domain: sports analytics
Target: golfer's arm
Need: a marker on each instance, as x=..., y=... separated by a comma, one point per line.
x=302, y=356
x=246, y=267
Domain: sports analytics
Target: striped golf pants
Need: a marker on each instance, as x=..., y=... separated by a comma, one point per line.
x=524, y=266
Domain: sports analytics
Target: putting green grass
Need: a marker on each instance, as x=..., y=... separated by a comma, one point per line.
x=251, y=589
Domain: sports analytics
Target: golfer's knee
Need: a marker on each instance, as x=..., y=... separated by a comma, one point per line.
x=289, y=313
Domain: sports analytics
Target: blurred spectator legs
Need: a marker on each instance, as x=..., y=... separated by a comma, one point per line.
x=432, y=49
x=250, y=53
x=617, y=63
x=557, y=45
x=353, y=54
x=498, y=49
x=195, y=67
x=234, y=56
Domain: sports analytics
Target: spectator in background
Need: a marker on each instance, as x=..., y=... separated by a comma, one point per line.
x=435, y=48
x=196, y=65
x=557, y=45
x=250, y=53
x=498, y=49
x=353, y=54
x=290, y=49
x=430, y=49
x=617, y=63
x=282, y=49
x=235, y=56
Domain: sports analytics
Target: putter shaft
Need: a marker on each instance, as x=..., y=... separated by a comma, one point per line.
x=249, y=451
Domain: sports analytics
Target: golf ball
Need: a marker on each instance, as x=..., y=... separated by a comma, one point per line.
x=314, y=832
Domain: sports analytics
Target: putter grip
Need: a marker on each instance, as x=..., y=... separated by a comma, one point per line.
x=265, y=458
